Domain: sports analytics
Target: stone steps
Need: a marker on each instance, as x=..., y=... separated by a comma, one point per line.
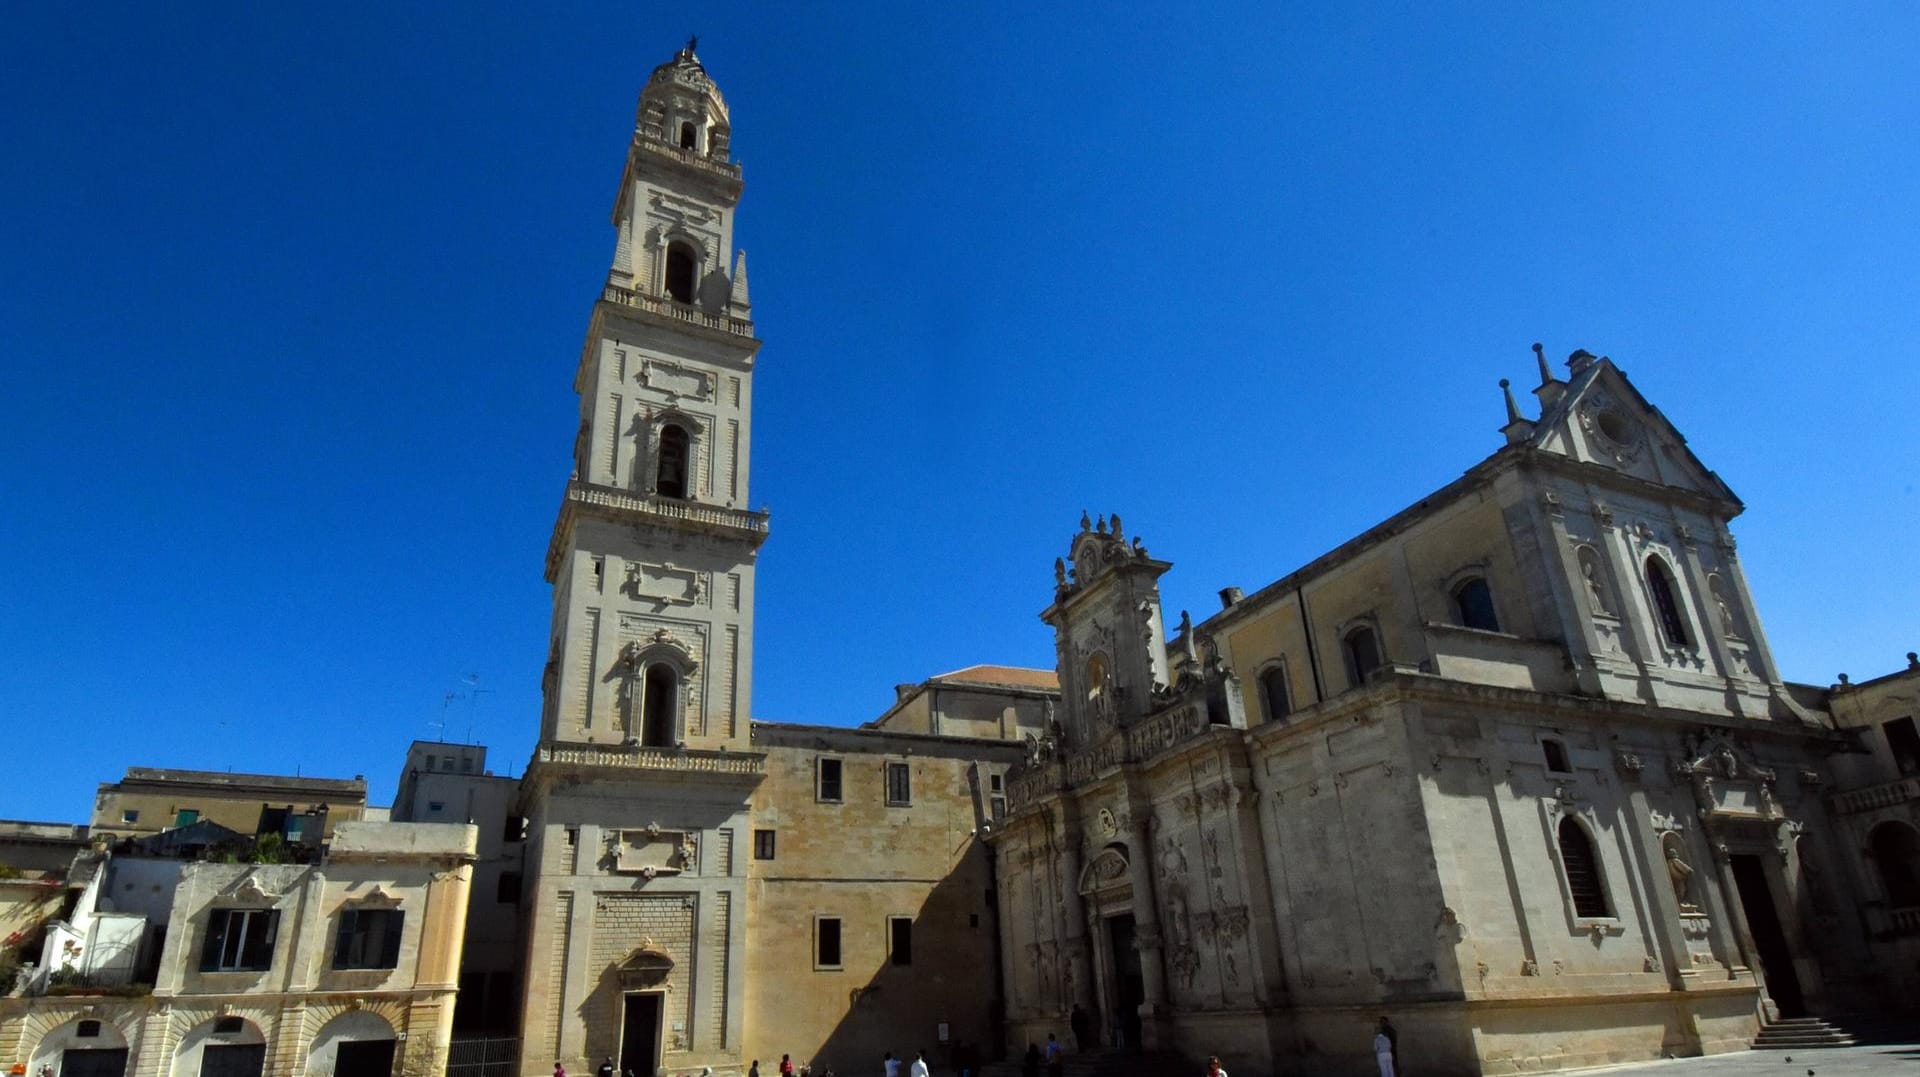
x=1101, y=1064
x=1801, y=1033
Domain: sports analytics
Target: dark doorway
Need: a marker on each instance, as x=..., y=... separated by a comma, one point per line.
x=364, y=1058
x=640, y=1035
x=1769, y=939
x=93, y=1063
x=657, y=698
x=233, y=1059
x=1129, y=986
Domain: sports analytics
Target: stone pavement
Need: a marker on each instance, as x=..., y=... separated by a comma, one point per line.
x=1842, y=1062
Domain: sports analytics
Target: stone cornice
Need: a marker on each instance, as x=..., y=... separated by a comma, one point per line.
x=630, y=508
x=707, y=766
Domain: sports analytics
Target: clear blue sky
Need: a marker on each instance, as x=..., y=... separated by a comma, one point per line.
x=290, y=301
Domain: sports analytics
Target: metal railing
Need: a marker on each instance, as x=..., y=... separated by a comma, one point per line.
x=495, y=1056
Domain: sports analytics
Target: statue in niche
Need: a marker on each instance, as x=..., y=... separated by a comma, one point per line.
x=1681, y=874
x=1596, y=585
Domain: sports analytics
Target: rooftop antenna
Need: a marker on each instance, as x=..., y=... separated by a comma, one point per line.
x=440, y=727
x=474, y=691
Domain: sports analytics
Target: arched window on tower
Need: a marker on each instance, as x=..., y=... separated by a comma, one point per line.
x=689, y=138
x=1275, y=695
x=670, y=479
x=1589, y=890
x=1361, y=648
x=681, y=265
x=1666, y=603
x=658, y=695
x=1473, y=604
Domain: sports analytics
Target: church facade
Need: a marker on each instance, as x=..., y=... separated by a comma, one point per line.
x=1514, y=768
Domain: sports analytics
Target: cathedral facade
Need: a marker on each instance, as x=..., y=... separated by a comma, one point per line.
x=1514, y=768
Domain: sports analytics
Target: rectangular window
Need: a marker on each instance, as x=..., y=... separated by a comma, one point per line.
x=997, y=782
x=763, y=845
x=436, y=806
x=899, y=785
x=466, y=764
x=506, y=890
x=129, y=816
x=368, y=939
x=1904, y=742
x=828, y=785
x=429, y=762
x=239, y=940
x=900, y=940
x=826, y=942
x=87, y=1029
x=446, y=762
x=573, y=836
x=186, y=817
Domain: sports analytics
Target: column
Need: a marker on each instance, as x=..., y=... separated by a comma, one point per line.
x=1146, y=925
x=1668, y=935
x=1073, y=919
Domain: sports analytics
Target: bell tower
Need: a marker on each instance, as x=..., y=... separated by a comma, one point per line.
x=651, y=559
x=1108, y=631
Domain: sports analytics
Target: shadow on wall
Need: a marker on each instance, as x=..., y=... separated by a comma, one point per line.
x=952, y=978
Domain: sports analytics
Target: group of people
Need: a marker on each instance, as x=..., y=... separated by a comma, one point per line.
x=1386, y=1052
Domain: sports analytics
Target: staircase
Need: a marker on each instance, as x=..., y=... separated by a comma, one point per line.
x=1102, y=1063
x=1801, y=1034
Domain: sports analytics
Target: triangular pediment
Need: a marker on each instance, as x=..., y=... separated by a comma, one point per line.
x=1602, y=419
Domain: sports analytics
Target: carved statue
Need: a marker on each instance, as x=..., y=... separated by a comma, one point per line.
x=1682, y=875
x=1186, y=640
x=1595, y=588
x=1059, y=572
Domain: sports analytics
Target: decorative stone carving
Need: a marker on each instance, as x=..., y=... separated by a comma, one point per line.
x=654, y=851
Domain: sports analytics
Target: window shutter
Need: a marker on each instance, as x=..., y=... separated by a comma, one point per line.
x=343, y=942
x=390, y=950
x=216, y=940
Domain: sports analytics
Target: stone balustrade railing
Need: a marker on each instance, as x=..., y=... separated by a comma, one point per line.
x=725, y=323
x=668, y=507
x=719, y=168
x=689, y=760
x=1884, y=795
x=1138, y=743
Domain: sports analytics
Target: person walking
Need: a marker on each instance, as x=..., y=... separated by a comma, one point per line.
x=786, y=1066
x=559, y=1070
x=1081, y=1025
x=754, y=1070
x=919, y=1067
x=890, y=1064
x=1213, y=1067
x=1030, y=1062
x=606, y=1067
x=1383, y=1049
x=1055, y=1065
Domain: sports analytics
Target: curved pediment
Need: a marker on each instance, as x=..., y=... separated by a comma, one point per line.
x=645, y=967
x=1105, y=871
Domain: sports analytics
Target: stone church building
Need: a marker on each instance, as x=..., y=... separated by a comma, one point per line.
x=1514, y=767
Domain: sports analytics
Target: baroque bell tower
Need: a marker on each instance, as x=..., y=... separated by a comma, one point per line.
x=652, y=556
x=645, y=772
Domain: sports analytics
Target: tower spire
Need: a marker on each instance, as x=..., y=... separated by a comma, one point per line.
x=1517, y=428
x=1550, y=388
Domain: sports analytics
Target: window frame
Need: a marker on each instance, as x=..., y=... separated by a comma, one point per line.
x=1276, y=668
x=767, y=849
x=1456, y=599
x=894, y=949
x=1548, y=744
x=1669, y=616
x=820, y=765
x=1357, y=677
x=353, y=932
x=839, y=943
x=902, y=767
x=249, y=954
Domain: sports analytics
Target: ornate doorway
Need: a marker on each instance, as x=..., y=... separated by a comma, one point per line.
x=1127, y=986
x=1769, y=936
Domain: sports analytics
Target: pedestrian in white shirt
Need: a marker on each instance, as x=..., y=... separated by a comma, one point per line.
x=1214, y=1069
x=892, y=1065
x=1383, y=1050
x=919, y=1067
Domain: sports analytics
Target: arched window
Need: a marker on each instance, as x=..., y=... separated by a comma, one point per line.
x=1583, y=872
x=1275, y=694
x=681, y=264
x=1362, y=650
x=1473, y=604
x=1666, y=603
x=670, y=480
x=1896, y=853
x=688, y=137
x=1096, y=686
x=657, y=705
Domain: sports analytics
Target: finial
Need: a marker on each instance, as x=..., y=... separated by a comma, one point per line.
x=1580, y=360
x=1116, y=527
x=693, y=42
x=1085, y=523
x=1059, y=572
x=1540, y=357
x=1513, y=409
x=738, y=295
x=1845, y=681
x=1100, y=528
x=1913, y=660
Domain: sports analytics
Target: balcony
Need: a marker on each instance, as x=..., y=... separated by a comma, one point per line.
x=688, y=761
x=670, y=308
x=688, y=157
x=1477, y=656
x=1885, y=795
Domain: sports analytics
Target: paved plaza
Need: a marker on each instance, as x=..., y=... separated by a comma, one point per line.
x=1842, y=1062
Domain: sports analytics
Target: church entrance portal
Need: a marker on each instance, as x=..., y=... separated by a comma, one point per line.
x=640, y=1034
x=1129, y=987
x=1769, y=938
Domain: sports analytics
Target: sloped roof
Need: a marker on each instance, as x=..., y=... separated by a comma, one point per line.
x=1013, y=676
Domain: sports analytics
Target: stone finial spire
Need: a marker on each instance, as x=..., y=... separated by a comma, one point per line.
x=738, y=299
x=1551, y=389
x=1517, y=429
